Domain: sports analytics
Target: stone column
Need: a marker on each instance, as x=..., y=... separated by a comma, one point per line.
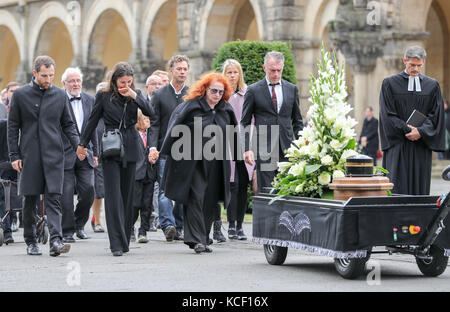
x=23, y=74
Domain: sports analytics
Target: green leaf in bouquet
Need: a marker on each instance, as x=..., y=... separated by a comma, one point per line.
x=351, y=144
x=381, y=169
x=312, y=168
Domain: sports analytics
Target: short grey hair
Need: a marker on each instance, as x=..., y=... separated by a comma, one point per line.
x=147, y=82
x=415, y=52
x=71, y=70
x=277, y=56
x=101, y=86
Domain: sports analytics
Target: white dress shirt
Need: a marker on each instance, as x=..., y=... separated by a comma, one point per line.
x=77, y=108
x=278, y=92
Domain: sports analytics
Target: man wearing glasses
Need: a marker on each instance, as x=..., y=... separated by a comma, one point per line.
x=78, y=174
x=153, y=83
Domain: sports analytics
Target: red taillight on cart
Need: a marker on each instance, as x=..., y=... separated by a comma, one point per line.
x=438, y=202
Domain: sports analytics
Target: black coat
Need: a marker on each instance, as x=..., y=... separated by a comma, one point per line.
x=370, y=131
x=164, y=101
x=87, y=101
x=36, y=123
x=178, y=174
x=144, y=169
x=258, y=103
x=111, y=109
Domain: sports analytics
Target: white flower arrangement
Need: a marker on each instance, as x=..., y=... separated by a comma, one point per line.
x=320, y=152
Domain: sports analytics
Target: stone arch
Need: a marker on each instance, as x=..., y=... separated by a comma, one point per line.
x=54, y=40
x=110, y=42
x=227, y=20
x=93, y=16
x=51, y=10
x=160, y=31
x=438, y=44
x=9, y=56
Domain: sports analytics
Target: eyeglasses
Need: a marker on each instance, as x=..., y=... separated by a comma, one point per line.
x=214, y=91
x=74, y=81
x=155, y=84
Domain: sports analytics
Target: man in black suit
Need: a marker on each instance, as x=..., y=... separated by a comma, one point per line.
x=274, y=104
x=369, y=135
x=164, y=101
x=38, y=117
x=78, y=174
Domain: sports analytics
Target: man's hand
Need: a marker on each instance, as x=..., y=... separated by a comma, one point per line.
x=249, y=158
x=82, y=152
x=95, y=161
x=414, y=135
x=17, y=165
x=153, y=156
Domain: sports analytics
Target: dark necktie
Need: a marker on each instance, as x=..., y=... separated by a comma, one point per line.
x=274, y=95
x=75, y=99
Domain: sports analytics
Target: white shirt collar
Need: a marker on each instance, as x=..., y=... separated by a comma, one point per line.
x=268, y=81
x=181, y=90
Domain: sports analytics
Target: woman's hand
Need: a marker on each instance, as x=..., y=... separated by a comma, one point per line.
x=128, y=92
x=82, y=152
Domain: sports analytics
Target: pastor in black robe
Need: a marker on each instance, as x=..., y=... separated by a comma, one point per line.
x=409, y=162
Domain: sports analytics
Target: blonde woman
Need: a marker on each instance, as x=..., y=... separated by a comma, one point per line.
x=240, y=175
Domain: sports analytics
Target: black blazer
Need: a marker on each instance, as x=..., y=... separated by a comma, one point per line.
x=144, y=169
x=258, y=103
x=178, y=174
x=36, y=123
x=164, y=101
x=111, y=109
x=70, y=158
x=370, y=130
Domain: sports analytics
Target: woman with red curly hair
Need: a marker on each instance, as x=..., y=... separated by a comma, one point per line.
x=197, y=146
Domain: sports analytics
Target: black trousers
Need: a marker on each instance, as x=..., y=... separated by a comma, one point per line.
x=238, y=202
x=52, y=204
x=119, y=191
x=81, y=179
x=143, y=203
x=206, y=190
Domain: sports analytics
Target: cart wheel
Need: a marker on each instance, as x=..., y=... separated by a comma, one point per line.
x=1, y=237
x=351, y=268
x=436, y=266
x=275, y=255
x=44, y=235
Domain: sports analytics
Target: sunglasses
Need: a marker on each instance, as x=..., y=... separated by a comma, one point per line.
x=214, y=91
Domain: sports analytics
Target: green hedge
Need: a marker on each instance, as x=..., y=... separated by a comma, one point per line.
x=251, y=56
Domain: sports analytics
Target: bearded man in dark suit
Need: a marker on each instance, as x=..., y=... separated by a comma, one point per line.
x=38, y=117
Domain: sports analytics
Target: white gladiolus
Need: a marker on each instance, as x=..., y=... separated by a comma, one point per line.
x=283, y=166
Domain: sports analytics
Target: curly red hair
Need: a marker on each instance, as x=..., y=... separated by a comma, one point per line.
x=198, y=90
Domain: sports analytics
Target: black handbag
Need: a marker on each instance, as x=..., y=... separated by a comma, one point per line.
x=112, y=141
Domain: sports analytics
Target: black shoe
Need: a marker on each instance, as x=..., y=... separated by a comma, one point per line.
x=57, y=248
x=9, y=240
x=210, y=241
x=68, y=239
x=217, y=234
x=179, y=236
x=81, y=234
x=170, y=233
x=232, y=233
x=117, y=253
x=33, y=250
x=241, y=235
x=198, y=248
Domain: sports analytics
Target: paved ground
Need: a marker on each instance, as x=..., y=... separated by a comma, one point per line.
x=236, y=266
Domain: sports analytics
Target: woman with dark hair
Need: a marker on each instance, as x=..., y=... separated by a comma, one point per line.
x=198, y=176
x=118, y=105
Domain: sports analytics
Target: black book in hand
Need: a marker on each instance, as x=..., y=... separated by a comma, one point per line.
x=416, y=119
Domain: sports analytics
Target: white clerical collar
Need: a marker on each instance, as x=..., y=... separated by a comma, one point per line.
x=412, y=80
x=181, y=90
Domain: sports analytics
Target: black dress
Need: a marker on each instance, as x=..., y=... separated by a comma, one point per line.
x=119, y=174
x=408, y=162
x=195, y=181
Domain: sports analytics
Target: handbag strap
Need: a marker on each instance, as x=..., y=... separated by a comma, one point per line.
x=123, y=116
